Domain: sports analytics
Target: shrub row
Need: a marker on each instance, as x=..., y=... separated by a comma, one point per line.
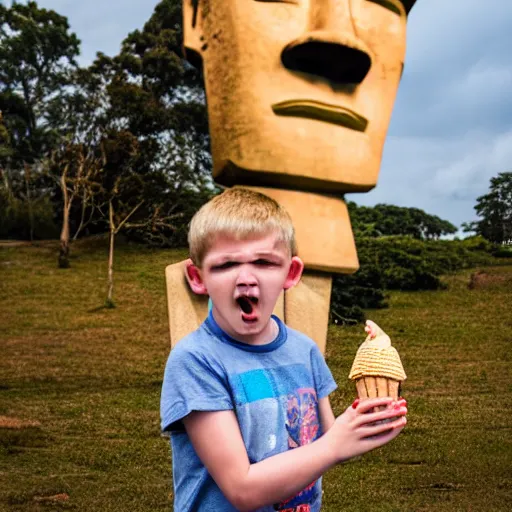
x=400, y=263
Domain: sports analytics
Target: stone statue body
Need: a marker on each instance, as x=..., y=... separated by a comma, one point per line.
x=300, y=95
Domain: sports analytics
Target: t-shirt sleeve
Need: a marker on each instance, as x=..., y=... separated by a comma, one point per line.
x=324, y=381
x=191, y=383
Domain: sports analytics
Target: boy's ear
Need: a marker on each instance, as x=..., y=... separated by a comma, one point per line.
x=195, y=281
x=294, y=273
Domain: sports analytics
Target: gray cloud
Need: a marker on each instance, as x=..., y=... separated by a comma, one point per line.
x=458, y=68
x=441, y=176
x=451, y=129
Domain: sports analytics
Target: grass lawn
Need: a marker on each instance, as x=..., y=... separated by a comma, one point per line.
x=80, y=387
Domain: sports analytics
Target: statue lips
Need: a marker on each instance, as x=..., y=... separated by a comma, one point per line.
x=322, y=112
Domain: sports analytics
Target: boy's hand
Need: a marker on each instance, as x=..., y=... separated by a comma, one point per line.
x=359, y=430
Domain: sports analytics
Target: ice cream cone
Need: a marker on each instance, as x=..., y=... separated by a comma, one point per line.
x=377, y=369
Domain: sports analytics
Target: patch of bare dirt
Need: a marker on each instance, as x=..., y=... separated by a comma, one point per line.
x=52, y=499
x=16, y=423
x=484, y=280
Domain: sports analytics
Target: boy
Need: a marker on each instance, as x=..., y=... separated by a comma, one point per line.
x=244, y=397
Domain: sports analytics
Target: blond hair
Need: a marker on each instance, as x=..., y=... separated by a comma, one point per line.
x=239, y=213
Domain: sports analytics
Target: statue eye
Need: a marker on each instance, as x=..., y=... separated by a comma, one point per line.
x=395, y=6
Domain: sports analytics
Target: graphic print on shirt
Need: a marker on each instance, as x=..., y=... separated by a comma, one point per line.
x=303, y=428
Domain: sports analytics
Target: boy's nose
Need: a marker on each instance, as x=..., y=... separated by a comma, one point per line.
x=246, y=278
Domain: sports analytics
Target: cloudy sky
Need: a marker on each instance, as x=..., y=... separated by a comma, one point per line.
x=451, y=129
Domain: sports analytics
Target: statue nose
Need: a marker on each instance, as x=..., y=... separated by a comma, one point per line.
x=321, y=53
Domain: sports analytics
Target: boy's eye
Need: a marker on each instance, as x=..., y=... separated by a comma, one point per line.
x=262, y=263
x=230, y=264
x=225, y=265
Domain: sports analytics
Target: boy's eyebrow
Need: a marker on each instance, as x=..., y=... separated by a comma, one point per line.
x=268, y=254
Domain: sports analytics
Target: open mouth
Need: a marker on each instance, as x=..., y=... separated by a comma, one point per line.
x=323, y=112
x=248, y=307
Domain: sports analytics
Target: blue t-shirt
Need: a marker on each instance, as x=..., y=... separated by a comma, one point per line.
x=273, y=389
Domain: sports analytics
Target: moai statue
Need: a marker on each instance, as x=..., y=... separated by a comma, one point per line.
x=300, y=94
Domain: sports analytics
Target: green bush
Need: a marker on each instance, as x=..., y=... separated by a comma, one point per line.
x=502, y=252
x=401, y=263
x=476, y=243
x=353, y=293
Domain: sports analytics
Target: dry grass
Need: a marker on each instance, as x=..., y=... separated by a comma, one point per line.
x=455, y=453
x=89, y=376
x=82, y=384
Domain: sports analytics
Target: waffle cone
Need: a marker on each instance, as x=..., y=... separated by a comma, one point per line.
x=373, y=387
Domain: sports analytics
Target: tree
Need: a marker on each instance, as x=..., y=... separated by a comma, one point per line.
x=5, y=151
x=155, y=144
x=385, y=219
x=37, y=56
x=77, y=168
x=155, y=95
x=6, y=198
x=77, y=163
x=495, y=211
x=5, y=140
x=126, y=191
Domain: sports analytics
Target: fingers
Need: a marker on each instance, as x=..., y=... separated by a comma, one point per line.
x=375, y=402
x=369, y=424
x=372, y=417
x=365, y=406
x=383, y=432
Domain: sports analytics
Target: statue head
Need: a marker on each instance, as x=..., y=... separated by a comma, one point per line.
x=299, y=92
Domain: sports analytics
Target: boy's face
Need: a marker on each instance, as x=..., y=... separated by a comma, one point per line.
x=244, y=279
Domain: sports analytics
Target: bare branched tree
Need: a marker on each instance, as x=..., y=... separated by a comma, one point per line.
x=77, y=169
